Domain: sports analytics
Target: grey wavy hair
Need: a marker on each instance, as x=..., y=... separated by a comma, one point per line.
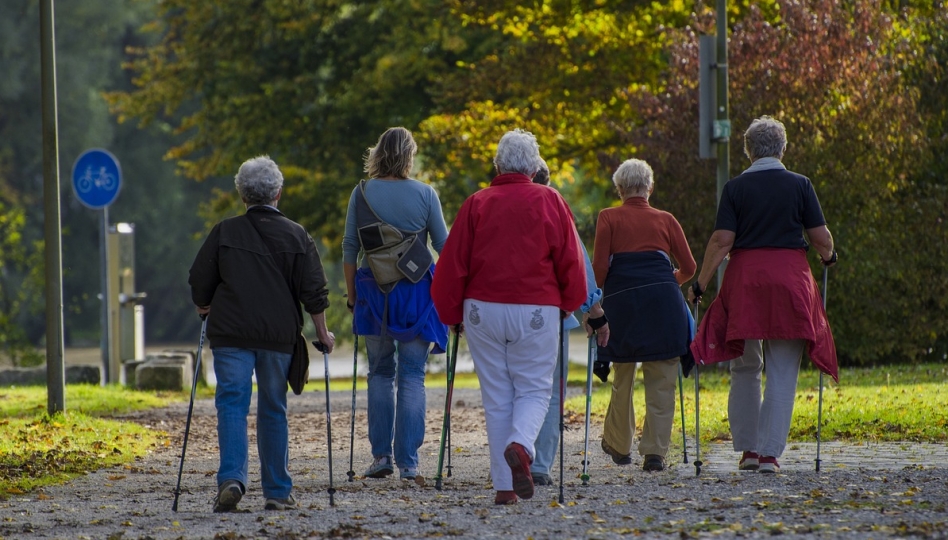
x=634, y=178
x=259, y=180
x=518, y=152
x=766, y=137
x=393, y=156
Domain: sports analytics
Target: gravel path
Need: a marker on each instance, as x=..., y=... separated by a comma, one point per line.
x=863, y=491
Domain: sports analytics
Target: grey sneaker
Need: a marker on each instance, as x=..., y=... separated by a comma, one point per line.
x=280, y=504
x=380, y=468
x=541, y=479
x=228, y=495
x=409, y=473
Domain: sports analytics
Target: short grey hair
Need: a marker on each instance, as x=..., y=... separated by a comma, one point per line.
x=518, y=152
x=766, y=137
x=633, y=178
x=259, y=180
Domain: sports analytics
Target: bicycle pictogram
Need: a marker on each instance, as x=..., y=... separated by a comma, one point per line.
x=102, y=180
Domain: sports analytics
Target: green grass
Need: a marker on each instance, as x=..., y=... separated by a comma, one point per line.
x=892, y=403
x=38, y=450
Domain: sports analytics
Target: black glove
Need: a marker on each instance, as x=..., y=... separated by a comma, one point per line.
x=832, y=260
x=696, y=289
x=601, y=369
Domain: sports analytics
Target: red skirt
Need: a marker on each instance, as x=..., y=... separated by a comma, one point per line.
x=766, y=294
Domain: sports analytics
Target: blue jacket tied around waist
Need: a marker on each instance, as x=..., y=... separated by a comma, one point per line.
x=648, y=317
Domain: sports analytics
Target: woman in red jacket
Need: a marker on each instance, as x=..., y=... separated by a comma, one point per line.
x=510, y=269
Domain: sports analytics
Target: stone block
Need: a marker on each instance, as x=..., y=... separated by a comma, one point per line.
x=83, y=374
x=165, y=371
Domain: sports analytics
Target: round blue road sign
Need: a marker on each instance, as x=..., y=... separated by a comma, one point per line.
x=96, y=178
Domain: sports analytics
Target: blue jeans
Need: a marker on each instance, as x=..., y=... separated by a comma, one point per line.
x=234, y=368
x=548, y=439
x=404, y=418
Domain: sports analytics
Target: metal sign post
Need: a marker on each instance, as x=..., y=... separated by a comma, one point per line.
x=96, y=179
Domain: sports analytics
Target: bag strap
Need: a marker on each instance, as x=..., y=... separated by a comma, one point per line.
x=299, y=308
x=362, y=204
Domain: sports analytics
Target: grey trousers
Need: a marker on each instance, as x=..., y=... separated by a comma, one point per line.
x=763, y=426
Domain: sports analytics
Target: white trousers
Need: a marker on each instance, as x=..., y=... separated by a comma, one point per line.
x=514, y=348
x=757, y=426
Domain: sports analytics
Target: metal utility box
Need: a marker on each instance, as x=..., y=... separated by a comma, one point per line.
x=126, y=314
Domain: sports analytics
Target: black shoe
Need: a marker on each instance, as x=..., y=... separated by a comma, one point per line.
x=653, y=463
x=601, y=369
x=617, y=458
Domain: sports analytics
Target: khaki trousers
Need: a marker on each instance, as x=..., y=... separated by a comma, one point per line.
x=619, y=428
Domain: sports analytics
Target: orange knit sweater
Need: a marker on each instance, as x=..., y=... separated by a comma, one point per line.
x=636, y=226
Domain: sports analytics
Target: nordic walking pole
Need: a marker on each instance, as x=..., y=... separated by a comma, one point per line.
x=350, y=474
x=562, y=368
x=681, y=406
x=187, y=425
x=322, y=348
x=590, y=359
x=452, y=363
x=819, y=410
x=697, y=409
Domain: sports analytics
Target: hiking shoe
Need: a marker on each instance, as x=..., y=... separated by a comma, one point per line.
x=768, y=464
x=408, y=473
x=380, y=468
x=617, y=457
x=505, y=497
x=541, y=479
x=519, y=461
x=280, y=504
x=653, y=462
x=749, y=461
x=228, y=495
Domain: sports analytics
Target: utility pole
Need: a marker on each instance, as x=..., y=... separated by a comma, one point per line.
x=722, y=123
x=52, y=223
x=714, y=126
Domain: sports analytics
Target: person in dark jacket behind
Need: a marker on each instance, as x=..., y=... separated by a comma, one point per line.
x=634, y=249
x=245, y=271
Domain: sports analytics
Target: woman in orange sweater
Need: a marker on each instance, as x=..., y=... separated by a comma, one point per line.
x=636, y=250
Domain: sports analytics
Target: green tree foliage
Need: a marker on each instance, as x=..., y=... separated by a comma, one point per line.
x=832, y=73
x=90, y=37
x=560, y=70
x=20, y=283
x=311, y=83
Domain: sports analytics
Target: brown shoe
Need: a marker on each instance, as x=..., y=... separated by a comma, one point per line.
x=519, y=461
x=505, y=497
x=617, y=457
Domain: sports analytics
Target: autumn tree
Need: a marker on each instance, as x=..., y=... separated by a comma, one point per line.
x=832, y=73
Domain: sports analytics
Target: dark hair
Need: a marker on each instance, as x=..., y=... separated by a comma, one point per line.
x=543, y=174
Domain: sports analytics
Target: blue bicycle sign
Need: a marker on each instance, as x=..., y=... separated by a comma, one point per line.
x=96, y=178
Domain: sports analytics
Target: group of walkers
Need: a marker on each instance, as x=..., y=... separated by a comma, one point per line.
x=510, y=276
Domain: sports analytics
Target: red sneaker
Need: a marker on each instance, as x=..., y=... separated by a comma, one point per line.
x=749, y=462
x=505, y=497
x=768, y=464
x=519, y=461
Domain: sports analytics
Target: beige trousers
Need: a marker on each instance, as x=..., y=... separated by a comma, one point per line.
x=618, y=431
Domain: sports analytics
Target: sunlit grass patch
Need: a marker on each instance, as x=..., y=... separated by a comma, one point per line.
x=49, y=450
x=891, y=403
